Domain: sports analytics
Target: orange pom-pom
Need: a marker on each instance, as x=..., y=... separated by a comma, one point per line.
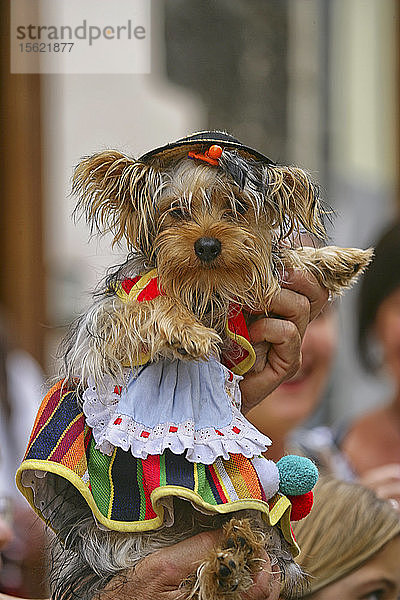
x=301, y=506
x=215, y=152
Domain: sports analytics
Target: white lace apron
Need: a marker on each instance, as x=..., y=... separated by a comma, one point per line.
x=183, y=406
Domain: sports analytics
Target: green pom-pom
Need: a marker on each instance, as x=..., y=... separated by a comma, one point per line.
x=298, y=475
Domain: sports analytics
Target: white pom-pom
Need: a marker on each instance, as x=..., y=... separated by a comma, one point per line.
x=268, y=475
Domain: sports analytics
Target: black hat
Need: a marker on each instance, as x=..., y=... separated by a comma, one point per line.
x=199, y=143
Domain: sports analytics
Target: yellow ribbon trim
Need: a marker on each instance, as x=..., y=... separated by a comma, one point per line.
x=279, y=509
x=137, y=288
x=278, y=513
x=246, y=364
x=111, y=483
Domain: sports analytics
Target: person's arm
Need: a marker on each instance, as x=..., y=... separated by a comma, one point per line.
x=159, y=575
x=298, y=303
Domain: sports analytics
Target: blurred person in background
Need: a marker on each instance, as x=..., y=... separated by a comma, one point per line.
x=372, y=444
x=5, y=533
x=5, y=538
x=350, y=544
x=22, y=552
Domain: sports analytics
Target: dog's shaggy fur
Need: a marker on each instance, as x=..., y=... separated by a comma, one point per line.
x=167, y=214
x=162, y=214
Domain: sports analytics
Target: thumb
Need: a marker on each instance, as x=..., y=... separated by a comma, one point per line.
x=186, y=556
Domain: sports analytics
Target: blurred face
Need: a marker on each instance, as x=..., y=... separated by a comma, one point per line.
x=5, y=536
x=294, y=400
x=387, y=328
x=5, y=533
x=377, y=579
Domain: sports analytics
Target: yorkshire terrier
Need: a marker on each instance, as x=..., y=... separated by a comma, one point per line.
x=210, y=225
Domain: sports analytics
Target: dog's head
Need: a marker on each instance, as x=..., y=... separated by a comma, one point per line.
x=213, y=229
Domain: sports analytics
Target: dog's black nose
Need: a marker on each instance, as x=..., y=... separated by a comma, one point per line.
x=207, y=248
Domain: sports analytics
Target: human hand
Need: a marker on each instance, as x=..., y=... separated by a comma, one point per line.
x=300, y=300
x=267, y=584
x=159, y=575
x=385, y=482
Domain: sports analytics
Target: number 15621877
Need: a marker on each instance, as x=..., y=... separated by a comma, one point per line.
x=46, y=47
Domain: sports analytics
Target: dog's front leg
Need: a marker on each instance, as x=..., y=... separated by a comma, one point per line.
x=171, y=331
x=121, y=333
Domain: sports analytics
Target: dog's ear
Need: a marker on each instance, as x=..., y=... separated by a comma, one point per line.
x=294, y=200
x=117, y=193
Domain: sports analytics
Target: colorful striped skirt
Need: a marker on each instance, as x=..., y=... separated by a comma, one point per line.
x=125, y=493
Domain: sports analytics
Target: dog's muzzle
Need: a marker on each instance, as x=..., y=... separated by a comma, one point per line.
x=207, y=249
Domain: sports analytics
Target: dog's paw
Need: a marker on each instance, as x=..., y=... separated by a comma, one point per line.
x=191, y=341
x=228, y=573
x=197, y=341
x=173, y=332
x=240, y=537
x=335, y=268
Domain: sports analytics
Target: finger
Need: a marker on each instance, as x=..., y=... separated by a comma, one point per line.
x=306, y=283
x=284, y=359
x=196, y=548
x=182, y=559
x=389, y=490
x=390, y=472
x=292, y=306
x=266, y=583
x=273, y=330
x=284, y=356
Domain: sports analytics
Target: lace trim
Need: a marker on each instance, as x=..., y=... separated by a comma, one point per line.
x=111, y=429
x=45, y=499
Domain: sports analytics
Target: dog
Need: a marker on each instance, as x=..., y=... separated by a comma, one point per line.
x=210, y=226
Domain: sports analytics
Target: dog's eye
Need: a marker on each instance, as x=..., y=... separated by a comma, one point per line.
x=241, y=207
x=179, y=212
x=238, y=207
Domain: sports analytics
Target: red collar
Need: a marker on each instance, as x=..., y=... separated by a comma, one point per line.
x=241, y=355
